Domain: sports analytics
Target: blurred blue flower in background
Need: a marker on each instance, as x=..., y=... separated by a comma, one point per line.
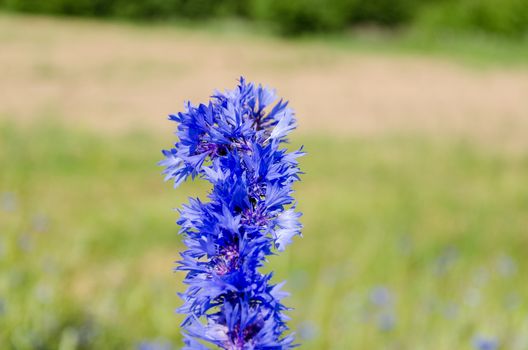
x=383, y=314
x=8, y=201
x=446, y=260
x=506, y=266
x=154, y=345
x=40, y=223
x=386, y=321
x=381, y=296
x=308, y=330
x=485, y=343
x=44, y=293
x=450, y=310
x=25, y=242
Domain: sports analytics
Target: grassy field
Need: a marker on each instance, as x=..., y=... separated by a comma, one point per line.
x=415, y=196
x=408, y=243
x=112, y=77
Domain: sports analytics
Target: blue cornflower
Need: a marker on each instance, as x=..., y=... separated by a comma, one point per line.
x=235, y=142
x=381, y=296
x=506, y=266
x=386, y=321
x=8, y=201
x=485, y=343
x=154, y=345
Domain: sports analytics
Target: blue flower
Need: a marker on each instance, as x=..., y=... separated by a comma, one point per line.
x=506, y=266
x=381, y=296
x=8, y=201
x=308, y=330
x=386, y=321
x=485, y=343
x=235, y=142
x=154, y=345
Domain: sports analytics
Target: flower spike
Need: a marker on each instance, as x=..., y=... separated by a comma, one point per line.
x=235, y=142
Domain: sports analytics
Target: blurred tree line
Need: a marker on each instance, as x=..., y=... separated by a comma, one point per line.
x=291, y=17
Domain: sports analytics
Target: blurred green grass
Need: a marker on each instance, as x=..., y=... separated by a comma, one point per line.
x=409, y=243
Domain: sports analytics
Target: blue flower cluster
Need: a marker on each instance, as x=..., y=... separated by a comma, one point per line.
x=236, y=143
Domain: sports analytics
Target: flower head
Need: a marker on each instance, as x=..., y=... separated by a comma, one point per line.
x=235, y=143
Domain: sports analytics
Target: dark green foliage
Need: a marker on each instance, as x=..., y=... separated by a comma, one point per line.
x=501, y=17
x=62, y=7
x=136, y=9
x=385, y=12
x=299, y=16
